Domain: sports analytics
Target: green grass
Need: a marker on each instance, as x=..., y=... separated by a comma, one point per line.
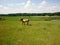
x=38, y=32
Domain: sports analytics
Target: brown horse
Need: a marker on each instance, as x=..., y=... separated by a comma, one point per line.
x=24, y=21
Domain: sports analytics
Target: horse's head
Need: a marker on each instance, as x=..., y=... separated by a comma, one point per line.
x=21, y=19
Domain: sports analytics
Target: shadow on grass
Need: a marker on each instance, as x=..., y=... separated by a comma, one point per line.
x=29, y=24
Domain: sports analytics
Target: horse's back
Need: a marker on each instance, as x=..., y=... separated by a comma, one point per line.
x=25, y=19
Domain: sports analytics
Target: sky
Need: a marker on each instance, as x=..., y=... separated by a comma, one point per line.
x=29, y=6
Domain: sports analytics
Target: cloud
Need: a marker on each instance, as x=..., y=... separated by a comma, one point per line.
x=53, y=9
x=16, y=4
x=28, y=4
x=29, y=7
x=5, y=7
x=20, y=3
x=10, y=4
x=0, y=6
x=42, y=4
x=32, y=8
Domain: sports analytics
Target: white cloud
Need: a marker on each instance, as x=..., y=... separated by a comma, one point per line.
x=53, y=9
x=10, y=4
x=42, y=4
x=17, y=4
x=0, y=6
x=28, y=4
x=5, y=7
x=29, y=7
x=20, y=3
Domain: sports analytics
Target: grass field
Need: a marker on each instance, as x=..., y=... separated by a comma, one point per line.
x=38, y=32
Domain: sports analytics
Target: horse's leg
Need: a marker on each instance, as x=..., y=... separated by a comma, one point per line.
x=27, y=22
x=24, y=23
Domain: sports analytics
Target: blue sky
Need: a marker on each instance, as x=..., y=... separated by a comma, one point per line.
x=29, y=6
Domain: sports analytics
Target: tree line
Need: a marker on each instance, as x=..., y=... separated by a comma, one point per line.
x=32, y=14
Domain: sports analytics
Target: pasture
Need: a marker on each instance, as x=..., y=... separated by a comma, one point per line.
x=40, y=31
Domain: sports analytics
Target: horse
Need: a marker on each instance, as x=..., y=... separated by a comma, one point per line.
x=24, y=21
